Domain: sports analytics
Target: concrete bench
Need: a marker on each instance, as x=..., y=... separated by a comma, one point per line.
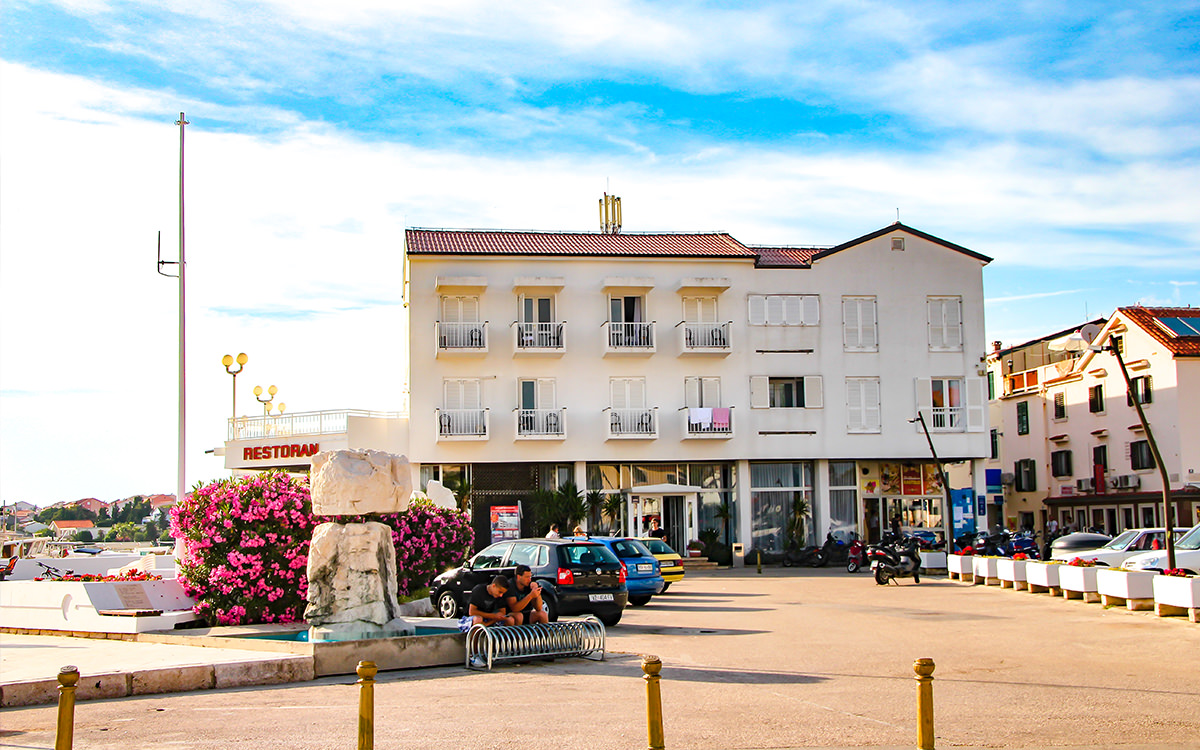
x=487, y=646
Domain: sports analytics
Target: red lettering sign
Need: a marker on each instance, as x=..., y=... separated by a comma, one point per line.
x=264, y=452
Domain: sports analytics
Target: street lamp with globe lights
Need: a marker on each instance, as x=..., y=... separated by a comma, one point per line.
x=228, y=360
x=266, y=402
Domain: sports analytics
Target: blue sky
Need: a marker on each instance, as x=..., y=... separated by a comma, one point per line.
x=1060, y=138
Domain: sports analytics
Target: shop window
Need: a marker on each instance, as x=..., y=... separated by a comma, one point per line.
x=1140, y=455
x=1060, y=463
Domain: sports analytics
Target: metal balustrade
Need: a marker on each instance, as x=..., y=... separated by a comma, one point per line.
x=472, y=335
x=536, y=423
x=705, y=423
x=462, y=423
x=948, y=419
x=706, y=336
x=632, y=422
x=300, y=423
x=630, y=336
x=540, y=335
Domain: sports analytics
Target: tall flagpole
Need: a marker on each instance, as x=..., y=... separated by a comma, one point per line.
x=181, y=483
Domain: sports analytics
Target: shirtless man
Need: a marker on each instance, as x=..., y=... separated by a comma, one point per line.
x=525, y=598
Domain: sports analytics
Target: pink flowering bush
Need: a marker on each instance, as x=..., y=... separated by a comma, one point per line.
x=246, y=546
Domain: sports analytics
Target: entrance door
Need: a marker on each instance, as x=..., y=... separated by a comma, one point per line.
x=675, y=522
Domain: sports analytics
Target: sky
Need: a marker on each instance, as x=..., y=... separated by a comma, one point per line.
x=1061, y=139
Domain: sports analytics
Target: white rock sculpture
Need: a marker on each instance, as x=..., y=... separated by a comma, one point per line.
x=440, y=495
x=352, y=575
x=354, y=482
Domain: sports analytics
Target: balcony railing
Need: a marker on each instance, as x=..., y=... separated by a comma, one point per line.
x=708, y=423
x=463, y=424
x=632, y=423
x=705, y=337
x=470, y=337
x=948, y=419
x=300, y=423
x=533, y=424
x=540, y=336
x=629, y=337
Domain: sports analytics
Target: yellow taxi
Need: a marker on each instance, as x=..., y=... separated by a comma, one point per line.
x=670, y=564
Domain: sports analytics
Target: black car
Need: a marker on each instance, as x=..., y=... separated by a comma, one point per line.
x=577, y=577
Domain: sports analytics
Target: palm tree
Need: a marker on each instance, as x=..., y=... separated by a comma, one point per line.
x=614, y=503
x=595, y=505
x=462, y=492
x=801, y=508
x=571, y=504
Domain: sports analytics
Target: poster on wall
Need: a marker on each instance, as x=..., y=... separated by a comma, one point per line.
x=889, y=479
x=506, y=522
x=910, y=479
x=932, y=479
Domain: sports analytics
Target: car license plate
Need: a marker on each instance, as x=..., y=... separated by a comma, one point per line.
x=600, y=597
x=645, y=567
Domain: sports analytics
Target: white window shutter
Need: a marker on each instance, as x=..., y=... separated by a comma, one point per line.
x=758, y=310
x=760, y=392
x=934, y=320
x=868, y=322
x=470, y=309
x=812, y=310
x=924, y=400
x=691, y=309
x=814, y=397
x=691, y=392
x=620, y=396
x=471, y=394
x=872, y=417
x=545, y=393
x=776, y=312
x=637, y=393
x=953, y=331
x=976, y=404
x=855, y=421
x=453, y=394
x=449, y=309
x=851, y=323
x=710, y=392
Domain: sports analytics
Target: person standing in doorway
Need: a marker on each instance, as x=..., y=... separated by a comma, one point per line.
x=656, y=529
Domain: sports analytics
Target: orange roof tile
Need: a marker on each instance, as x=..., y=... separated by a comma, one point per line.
x=73, y=524
x=1146, y=318
x=502, y=242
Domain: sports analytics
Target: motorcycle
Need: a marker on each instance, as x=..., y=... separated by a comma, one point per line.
x=898, y=559
x=811, y=555
x=857, y=555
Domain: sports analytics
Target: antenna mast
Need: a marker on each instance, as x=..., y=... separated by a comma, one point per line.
x=610, y=214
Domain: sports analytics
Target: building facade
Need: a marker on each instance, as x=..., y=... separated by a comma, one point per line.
x=1067, y=443
x=705, y=382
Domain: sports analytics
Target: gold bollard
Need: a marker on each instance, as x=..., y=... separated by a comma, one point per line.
x=68, y=678
x=760, y=562
x=924, y=669
x=652, y=665
x=366, y=671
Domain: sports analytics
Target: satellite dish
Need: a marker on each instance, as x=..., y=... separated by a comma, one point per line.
x=1089, y=332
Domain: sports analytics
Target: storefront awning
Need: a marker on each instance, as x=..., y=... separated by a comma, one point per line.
x=665, y=489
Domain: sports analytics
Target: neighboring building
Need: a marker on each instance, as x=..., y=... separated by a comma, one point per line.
x=697, y=377
x=91, y=503
x=63, y=529
x=1068, y=444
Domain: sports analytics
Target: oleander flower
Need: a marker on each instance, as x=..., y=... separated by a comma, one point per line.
x=1080, y=562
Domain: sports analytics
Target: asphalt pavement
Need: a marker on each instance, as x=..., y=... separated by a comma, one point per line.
x=788, y=659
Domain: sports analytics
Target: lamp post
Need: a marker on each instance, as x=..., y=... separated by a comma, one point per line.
x=281, y=407
x=947, y=521
x=229, y=361
x=266, y=402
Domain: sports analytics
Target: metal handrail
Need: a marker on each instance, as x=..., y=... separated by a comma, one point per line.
x=583, y=637
x=300, y=423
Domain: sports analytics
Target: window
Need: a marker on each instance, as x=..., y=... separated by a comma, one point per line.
x=945, y=323
x=462, y=412
x=991, y=376
x=784, y=310
x=1023, y=418
x=1025, y=475
x=843, y=499
x=1060, y=463
x=859, y=324
x=700, y=393
x=1096, y=398
x=1060, y=406
x=628, y=412
x=1142, y=390
x=538, y=329
x=460, y=326
x=951, y=404
x=537, y=407
x=1100, y=459
x=799, y=392
x=862, y=405
x=777, y=490
x=995, y=444
x=626, y=326
x=701, y=328
x=1140, y=455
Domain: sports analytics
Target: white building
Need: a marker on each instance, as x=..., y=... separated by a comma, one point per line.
x=706, y=381
x=1067, y=443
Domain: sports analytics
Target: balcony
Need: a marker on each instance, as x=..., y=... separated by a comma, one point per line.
x=948, y=419
x=300, y=423
x=541, y=424
x=629, y=338
x=461, y=338
x=632, y=423
x=704, y=338
x=462, y=424
x=539, y=338
x=707, y=423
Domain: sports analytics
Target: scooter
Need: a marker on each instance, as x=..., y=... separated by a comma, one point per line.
x=858, y=554
x=900, y=560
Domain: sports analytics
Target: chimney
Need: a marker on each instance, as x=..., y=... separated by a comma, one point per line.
x=995, y=346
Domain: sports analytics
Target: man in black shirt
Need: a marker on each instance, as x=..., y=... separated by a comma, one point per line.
x=657, y=531
x=487, y=605
x=524, y=598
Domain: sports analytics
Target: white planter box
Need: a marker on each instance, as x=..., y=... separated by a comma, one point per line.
x=986, y=571
x=933, y=561
x=1177, y=595
x=1042, y=577
x=1078, y=582
x=95, y=606
x=1012, y=573
x=958, y=567
x=1133, y=589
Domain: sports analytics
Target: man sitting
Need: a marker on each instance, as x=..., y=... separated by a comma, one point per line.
x=525, y=598
x=487, y=603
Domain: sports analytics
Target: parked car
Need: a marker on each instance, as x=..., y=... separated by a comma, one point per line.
x=670, y=563
x=576, y=576
x=1187, y=555
x=641, y=568
x=1126, y=544
x=1079, y=540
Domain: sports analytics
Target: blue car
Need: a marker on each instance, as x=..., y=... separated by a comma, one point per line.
x=642, y=576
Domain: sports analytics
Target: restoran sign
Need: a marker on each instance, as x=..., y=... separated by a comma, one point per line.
x=264, y=452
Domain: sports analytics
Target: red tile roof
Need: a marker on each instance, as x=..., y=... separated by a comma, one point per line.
x=73, y=524
x=1144, y=317
x=496, y=242
x=786, y=257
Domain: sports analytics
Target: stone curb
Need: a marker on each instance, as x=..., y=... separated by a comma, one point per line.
x=168, y=680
